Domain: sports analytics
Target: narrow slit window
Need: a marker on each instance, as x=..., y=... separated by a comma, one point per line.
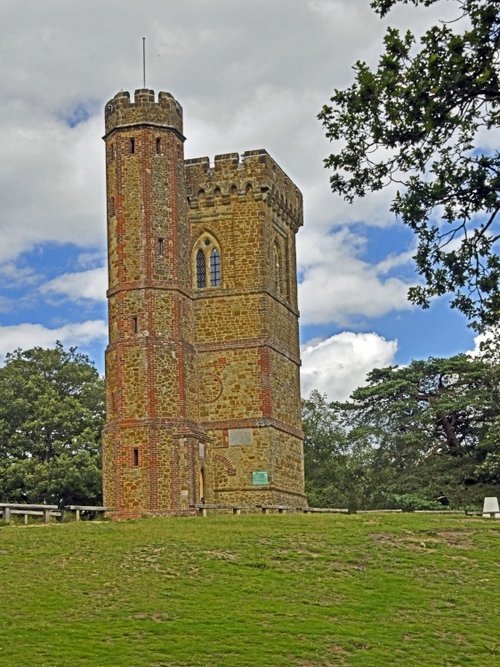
x=215, y=268
x=201, y=270
x=136, y=457
x=287, y=272
x=158, y=146
x=132, y=145
x=135, y=325
x=160, y=247
x=277, y=269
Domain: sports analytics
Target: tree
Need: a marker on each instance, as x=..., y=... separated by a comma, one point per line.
x=411, y=434
x=51, y=416
x=423, y=120
x=337, y=471
x=431, y=425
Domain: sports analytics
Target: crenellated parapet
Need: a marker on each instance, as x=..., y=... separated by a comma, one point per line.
x=145, y=110
x=231, y=179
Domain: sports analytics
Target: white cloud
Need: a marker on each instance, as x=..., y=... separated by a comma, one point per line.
x=491, y=340
x=26, y=336
x=339, y=364
x=79, y=286
x=14, y=275
x=338, y=286
x=394, y=261
x=249, y=75
x=46, y=177
x=91, y=259
x=245, y=82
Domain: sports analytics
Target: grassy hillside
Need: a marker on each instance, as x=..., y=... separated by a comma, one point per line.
x=288, y=590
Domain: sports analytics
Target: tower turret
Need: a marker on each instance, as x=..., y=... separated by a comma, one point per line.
x=151, y=435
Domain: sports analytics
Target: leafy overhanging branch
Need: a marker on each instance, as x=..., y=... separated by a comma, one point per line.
x=417, y=120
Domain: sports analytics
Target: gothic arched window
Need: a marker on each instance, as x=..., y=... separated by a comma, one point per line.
x=207, y=262
x=201, y=269
x=214, y=268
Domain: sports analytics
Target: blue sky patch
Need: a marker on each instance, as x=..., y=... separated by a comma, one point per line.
x=78, y=114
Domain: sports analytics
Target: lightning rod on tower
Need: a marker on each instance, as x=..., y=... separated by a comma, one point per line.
x=144, y=62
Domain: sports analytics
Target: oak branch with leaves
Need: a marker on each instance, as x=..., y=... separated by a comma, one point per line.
x=425, y=119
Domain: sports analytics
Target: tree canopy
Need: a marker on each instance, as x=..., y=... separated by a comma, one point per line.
x=424, y=120
x=337, y=467
x=51, y=416
x=410, y=435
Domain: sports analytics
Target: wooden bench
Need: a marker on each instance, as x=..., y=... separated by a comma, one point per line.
x=78, y=509
x=28, y=509
x=322, y=510
x=202, y=508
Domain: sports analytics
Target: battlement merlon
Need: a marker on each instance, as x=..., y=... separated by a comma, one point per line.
x=256, y=171
x=121, y=113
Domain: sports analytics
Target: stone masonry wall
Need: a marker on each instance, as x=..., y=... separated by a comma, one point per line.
x=202, y=382
x=246, y=330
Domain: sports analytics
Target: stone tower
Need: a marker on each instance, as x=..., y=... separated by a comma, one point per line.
x=202, y=366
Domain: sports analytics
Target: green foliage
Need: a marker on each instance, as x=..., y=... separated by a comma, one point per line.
x=423, y=120
x=51, y=416
x=435, y=405
x=284, y=590
x=410, y=435
x=430, y=423
x=336, y=468
x=409, y=502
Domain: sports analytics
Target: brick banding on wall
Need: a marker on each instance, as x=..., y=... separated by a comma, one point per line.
x=231, y=470
x=187, y=364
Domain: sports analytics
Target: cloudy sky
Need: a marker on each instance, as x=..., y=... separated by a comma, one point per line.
x=249, y=74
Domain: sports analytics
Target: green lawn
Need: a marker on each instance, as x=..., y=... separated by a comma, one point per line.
x=289, y=590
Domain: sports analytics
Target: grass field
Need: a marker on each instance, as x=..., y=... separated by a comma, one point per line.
x=290, y=590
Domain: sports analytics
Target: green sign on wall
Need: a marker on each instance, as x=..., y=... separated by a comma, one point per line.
x=260, y=477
